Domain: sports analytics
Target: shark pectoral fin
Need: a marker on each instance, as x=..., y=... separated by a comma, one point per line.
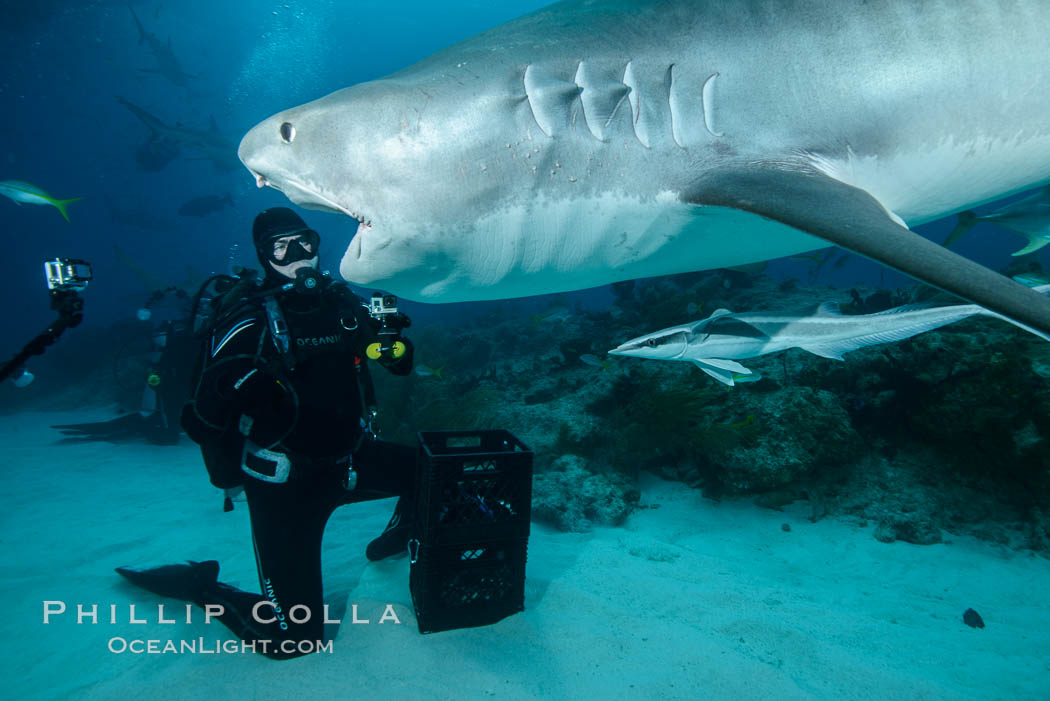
x=967, y=220
x=846, y=216
x=1034, y=245
x=827, y=350
x=722, y=369
x=723, y=376
x=725, y=364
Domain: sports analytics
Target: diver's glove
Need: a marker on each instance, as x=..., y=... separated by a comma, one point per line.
x=398, y=321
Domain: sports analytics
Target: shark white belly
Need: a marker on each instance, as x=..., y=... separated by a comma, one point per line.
x=592, y=142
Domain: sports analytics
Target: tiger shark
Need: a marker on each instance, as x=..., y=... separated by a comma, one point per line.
x=597, y=141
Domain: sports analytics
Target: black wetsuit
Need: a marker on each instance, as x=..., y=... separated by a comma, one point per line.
x=310, y=401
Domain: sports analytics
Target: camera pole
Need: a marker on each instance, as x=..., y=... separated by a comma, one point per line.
x=70, y=308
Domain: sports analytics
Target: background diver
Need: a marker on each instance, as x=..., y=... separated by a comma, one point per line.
x=282, y=408
x=171, y=354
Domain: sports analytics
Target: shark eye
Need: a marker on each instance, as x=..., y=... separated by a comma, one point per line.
x=651, y=342
x=287, y=132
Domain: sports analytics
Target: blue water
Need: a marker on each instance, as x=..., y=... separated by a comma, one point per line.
x=62, y=67
x=64, y=63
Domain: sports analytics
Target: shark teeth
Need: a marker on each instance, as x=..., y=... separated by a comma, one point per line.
x=366, y=222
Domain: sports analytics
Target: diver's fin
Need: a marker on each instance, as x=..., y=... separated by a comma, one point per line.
x=851, y=218
x=1034, y=245
x=183, y=582
x=127, y=426
x=394, y=539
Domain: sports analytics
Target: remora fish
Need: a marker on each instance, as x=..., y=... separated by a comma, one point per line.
x=717, y=342
x=592, y=142
x=205, y=205
x=19, y=192
x=1029, y=217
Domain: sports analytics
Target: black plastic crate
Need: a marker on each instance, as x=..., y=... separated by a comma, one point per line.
x=475, y=485
x=462, y=586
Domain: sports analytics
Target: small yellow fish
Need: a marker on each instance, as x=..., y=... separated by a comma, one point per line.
x=746, y=422
x=1032, y=279
x=424, y=371
x=595, y=361
x=740, y=377
x=18, y=192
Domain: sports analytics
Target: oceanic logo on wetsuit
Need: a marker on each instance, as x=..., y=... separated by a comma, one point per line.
x=277, y=612
x=318, y=340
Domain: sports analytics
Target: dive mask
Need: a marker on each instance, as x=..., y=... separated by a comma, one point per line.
x=292, y=247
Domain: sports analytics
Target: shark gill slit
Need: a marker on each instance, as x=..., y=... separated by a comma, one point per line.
x=673, y=107
x=612, y=115
x=526, y=79
x=581, y=82
x=707, y=100
x=635, y=98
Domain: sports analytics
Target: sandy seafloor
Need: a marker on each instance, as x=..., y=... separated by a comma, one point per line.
x=689, y=600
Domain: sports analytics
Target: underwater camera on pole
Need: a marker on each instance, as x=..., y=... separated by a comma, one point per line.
x=66, y=279
x=383, y=308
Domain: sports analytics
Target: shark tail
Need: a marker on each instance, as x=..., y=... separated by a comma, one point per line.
x=142, y=30
x=967, y=221
x=61, y=205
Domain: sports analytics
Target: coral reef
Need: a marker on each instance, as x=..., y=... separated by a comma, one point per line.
x=945, y=433
x=572, y=498
x=948, y=432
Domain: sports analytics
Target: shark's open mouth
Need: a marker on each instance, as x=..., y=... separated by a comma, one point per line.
x=306, y=196
x=311, y=197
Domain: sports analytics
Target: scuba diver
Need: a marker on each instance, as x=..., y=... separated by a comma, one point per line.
x=283, y=409
x=166, y=389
